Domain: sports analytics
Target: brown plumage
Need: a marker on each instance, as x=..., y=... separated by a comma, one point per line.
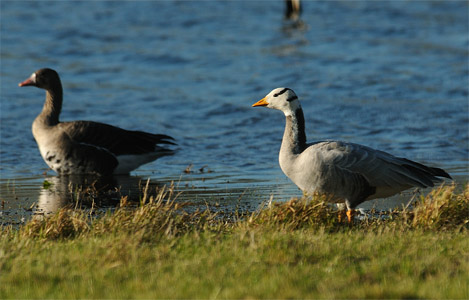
x=86, y=147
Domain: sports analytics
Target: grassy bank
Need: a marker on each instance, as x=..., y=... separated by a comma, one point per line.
x=297, y=249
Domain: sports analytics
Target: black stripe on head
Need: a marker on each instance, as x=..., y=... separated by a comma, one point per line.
x=294, y=97
x=281, y=92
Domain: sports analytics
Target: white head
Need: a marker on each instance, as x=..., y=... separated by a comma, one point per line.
x=283, y=99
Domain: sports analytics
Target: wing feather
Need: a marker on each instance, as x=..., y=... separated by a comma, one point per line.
x=381, y=169
x=114, y=139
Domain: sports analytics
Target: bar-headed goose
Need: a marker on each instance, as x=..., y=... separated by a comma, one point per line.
x=348, y=172
x=85, y=147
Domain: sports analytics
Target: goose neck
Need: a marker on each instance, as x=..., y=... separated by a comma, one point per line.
x=52, y=106
x=294, y=137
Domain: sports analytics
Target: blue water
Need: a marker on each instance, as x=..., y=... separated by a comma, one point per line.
x=392, y=75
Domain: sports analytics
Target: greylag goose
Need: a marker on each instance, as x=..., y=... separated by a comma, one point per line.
x=85, y=147
x=348, y=172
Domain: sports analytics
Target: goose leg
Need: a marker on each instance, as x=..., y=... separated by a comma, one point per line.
x=341, y=215
x=341, y=212
x=350, y=211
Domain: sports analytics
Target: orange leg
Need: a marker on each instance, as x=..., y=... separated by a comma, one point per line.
x=350, y=213
x=341, y=215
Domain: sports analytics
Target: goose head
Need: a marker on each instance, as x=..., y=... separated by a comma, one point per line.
x=44, y=78
x=283, y=99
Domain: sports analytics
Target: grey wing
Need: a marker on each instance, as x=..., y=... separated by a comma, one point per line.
x=382, y=169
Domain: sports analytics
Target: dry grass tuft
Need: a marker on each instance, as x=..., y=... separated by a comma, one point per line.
x=154, y=217
x=67, y=223
x=297, y=213
x=163, y=216
x=441, y=209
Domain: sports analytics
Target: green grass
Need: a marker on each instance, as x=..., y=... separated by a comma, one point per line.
x=297, y=249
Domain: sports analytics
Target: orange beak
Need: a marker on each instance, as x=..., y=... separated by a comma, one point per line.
x=261, y=102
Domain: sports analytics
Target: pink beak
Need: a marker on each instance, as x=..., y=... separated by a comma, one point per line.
x=30, y=81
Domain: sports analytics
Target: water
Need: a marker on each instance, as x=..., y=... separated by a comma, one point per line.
x=392, y=75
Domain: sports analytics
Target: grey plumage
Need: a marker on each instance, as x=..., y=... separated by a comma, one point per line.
x=348, y=172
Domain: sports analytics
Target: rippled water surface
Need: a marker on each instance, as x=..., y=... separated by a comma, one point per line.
x=391, y=75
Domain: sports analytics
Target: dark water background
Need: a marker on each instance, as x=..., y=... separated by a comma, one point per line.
x=392, y=75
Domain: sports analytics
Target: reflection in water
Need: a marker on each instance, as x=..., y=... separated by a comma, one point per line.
x=78, y=191
x=46, y=195
x=293, y=22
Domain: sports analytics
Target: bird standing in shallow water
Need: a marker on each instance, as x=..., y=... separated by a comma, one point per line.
x=85, y=147
x=348, y=172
